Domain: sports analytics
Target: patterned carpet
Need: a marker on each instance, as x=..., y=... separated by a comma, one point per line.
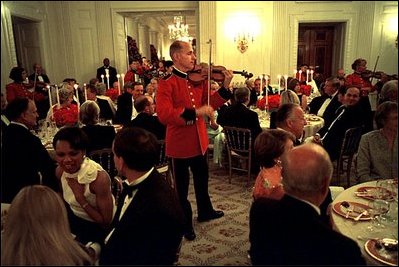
x=222, y=241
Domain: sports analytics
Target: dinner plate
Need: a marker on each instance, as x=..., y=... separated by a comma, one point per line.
x=367, y=192
x=381, y=254
x=358, y=208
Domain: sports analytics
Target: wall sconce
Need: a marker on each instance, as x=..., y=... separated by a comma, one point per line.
x=242, y=28
x=242, y=40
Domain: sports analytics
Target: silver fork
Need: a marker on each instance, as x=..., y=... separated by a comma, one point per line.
x=349, y=211
x=365, y=212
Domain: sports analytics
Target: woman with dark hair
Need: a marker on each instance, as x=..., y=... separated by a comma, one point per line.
x=377, y=156
x=269, y=146
x=85, y=185
x=19, y=88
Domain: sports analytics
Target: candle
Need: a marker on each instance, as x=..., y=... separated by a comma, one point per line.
x=311, y=75
x=295, y=71
x=307, y=74
x=123, y=80
x=85, y=89
x=119, y=85
x=267, y=96
x=260, y=77
x=77, y=97
x=58, y=96
x=49, y=95
x=102, y=78
x=279, y=81
x=107, y=76
x=300, y=75
x=286, y=81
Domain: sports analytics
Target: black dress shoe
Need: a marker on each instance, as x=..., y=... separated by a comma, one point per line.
x=214, y=215
x=190, y=235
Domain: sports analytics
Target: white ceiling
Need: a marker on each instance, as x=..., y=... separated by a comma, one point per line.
x=164, y=18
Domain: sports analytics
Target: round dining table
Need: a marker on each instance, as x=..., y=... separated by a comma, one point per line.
x=358, y=230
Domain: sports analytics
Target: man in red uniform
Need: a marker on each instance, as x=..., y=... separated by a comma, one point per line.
x=181, y=106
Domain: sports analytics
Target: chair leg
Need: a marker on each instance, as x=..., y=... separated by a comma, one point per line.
x=348, y=171
x=230, y=167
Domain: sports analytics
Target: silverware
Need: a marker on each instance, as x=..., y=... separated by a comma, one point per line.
x=364, y=213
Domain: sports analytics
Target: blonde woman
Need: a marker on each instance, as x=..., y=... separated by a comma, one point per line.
x=37, y=232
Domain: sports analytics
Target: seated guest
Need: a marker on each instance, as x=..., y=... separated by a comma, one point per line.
x=146, y=119
x=269, y=146
x=67, y=112
x=350, y=115
x=326, y=108
x=37, y=224
x=289, y=96
x=126, y=111
x=290, y=117
x=295, y=86
x=278, y=239
x=40, y=80
x=107, y=109
x=85, y=185
x=25, y=161
x=149, y=222
x=100, y=136
x=239, y=115
x=377, y=156
x=389, y=91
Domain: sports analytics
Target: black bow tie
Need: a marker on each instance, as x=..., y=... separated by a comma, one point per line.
x=128, y=189
x=330, y=96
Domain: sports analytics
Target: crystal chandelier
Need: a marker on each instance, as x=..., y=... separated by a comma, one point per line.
x=178, y=30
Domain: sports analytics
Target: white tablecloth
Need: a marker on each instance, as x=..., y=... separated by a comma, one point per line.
x=358, y=230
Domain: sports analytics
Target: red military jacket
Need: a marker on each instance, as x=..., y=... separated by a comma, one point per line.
x=177, y=99
x=355, y=79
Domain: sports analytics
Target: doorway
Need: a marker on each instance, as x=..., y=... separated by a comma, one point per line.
x=27, y=36
x=320, y=44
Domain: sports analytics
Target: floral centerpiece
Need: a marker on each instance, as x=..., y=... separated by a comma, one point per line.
x=273, y=102
x=306, y=89
x=65, y=115
x=112, y=93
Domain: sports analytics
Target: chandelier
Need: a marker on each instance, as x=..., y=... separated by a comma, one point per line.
x=178, y=30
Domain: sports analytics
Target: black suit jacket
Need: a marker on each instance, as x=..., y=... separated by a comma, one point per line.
x=352, y=117
x=238, y=115
x=105, y=109
x=123, y=113
x=150, y=230
x=290, y=232
x=112, y=75
x=22, y=158
x=100, y=136
x=149, y=123
x=329, y=113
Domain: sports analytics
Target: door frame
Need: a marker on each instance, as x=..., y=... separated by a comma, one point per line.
x=342, y=54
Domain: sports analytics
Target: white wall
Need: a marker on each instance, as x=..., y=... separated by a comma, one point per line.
x=78, y=35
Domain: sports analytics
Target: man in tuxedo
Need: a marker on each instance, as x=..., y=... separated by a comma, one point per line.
x=149, y=222
x=290, y=231
x=126, y=110
x=239, y=115
x=107, y=69
x=326, y=105
x=25, y=161
x=40, y=80
x=145, y=118
x=291, y=118
x=351, y=114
